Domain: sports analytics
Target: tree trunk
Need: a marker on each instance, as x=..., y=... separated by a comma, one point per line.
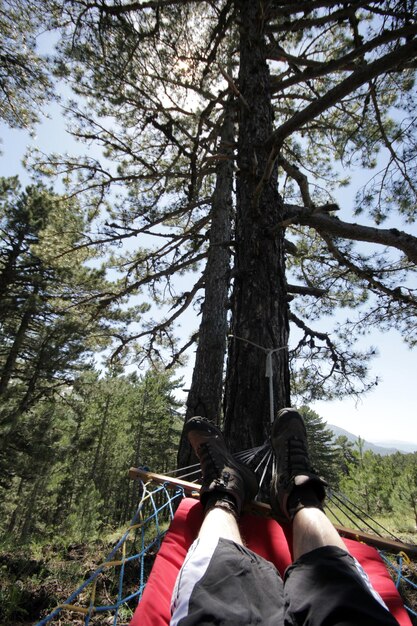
x=8, y=272
x=32, y=502
x=95, y=475
x=19, y=338
x=29, y=396
x=205, y=395
x=259, y=303
x=14, y=515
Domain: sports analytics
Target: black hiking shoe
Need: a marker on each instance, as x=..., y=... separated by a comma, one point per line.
x=222, y=473
x=294, y=485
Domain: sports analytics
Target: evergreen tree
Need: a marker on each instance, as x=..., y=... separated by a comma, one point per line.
x=346, y=453
x=403, y=497
x=26, y=85
x=71, y=476
x=316, y=90
x=45, y=338
x=50, y=320
x=383, y=486
x=323, y=452
x=365, y=482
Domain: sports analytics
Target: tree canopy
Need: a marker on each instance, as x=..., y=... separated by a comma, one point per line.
x=255, y=114
x=68, y=481
x=25, y=81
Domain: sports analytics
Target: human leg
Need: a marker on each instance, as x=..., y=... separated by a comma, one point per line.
x=325, y=584
x=219, y=522
x=188, y=599
x=229, y=585
x=312, y=529
x=221, y=581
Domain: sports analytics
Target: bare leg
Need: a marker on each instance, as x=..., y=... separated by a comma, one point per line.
x=218, y=550
x=312, y=529
x=220, y=523
x=325, y=585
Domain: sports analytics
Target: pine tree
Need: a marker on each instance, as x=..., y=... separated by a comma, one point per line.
x=346, y=453
x=316, y=90
x=70, y=477
x=404, y=494
x=322, y=449
x=44, y=339
x=26, y=85
x=50, y=320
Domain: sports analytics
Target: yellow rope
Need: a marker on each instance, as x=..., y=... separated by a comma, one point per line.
x=73, y=608
x=147, y=495
x=405, y=557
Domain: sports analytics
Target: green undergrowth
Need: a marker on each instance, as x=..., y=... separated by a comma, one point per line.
x=402, y=527
x=35, y=578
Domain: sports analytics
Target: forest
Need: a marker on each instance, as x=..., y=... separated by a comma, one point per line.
x=212, y=144
x=66, y=504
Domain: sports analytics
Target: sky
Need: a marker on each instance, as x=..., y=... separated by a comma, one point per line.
x=388, y=412
x=385, y=414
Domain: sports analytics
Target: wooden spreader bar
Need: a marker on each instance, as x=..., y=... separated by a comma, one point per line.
x=260, y=508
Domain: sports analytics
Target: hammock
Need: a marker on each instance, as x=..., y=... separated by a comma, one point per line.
x=142, y=540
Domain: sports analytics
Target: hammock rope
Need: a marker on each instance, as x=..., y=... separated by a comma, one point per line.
x=155, y=506
x=158, y=505
x=397, y=574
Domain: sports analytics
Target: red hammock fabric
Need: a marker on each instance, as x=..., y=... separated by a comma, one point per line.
x=261, y=535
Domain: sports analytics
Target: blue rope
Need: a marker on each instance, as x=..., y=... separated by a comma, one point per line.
x=152, y=517
x=400, y=576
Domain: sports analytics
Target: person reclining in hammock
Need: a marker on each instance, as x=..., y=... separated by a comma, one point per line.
x=223, y=582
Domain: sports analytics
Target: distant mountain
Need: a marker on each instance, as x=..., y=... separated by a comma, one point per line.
x=382, y=448
x=402, y=446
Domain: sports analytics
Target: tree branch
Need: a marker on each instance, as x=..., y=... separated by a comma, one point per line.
x=135, y=6
x=300, y=178
x=303, y=290
x=327, y=224
x=358, y=78
x=187, y=299
x=368, y=275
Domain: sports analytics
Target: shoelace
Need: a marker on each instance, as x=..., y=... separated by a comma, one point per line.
x=211, y=461
x=297, y=459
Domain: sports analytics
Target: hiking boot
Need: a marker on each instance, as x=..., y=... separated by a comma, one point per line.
x=294, y=485
x=222, y=474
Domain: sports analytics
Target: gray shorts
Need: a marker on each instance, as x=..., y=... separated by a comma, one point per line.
x=224, y=583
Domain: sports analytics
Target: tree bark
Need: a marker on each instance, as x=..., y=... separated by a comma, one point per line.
x=206, y=392
x=29, y=311
x=8, y=272
x=260, y=308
